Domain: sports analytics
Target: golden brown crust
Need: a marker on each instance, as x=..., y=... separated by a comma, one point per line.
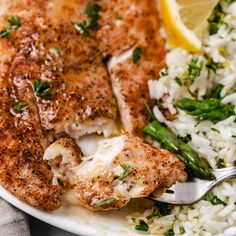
x=79, y=83
x=79, y=91
x=126, y=25
x=22, y=170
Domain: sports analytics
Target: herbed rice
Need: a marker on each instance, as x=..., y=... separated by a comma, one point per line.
x=211, y=140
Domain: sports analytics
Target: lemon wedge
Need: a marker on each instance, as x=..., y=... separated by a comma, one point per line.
x=186, y=21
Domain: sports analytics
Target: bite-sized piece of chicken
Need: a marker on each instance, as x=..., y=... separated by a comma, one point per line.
x=22, y=169
x=129, y=33
x=63, y=65
x=123, y=168
x=64, y=156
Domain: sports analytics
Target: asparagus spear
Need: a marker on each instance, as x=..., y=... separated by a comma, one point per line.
x=186, y=154
x=208, y=109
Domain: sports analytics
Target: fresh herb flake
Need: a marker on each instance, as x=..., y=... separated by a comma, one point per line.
x=5, y=33
x=216, y=91
x=215, y=200
x=127, y=171
x=81, y=28
x=163, y=72
x=136, y=55
x=159, y=105
x=182, y=230
x=92, y=10
x=106, y=203
x=194, y=69
x=153, y=214
x=215, y=130
x=142, y=226
x=14, y=21
x=149, y=111
x=214, y=66
x=178, y=81
x=220, y=163
x=163, y=209
x=20, y=106
x=119, y=18
x=170, y=232
x=42, y=89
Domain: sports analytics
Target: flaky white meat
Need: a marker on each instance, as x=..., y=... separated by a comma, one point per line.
x=123, y=168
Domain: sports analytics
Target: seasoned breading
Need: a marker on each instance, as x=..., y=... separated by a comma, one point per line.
x=58, y=75
x=126, y=25
x=54, y=67
x=123, y=168
x=22, y=169
x=79, y=99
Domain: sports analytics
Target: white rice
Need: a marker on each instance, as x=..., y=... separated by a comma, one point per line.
x=210, y=140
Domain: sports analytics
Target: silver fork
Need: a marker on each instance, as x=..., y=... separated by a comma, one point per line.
x=194, y=190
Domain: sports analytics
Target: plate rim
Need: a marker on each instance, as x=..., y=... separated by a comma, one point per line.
x=81, y=229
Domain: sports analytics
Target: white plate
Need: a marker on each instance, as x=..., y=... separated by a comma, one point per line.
x=80, y=221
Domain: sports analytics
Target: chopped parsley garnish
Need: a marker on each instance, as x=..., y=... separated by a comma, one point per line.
x=127, y=171
x=136, y=55
x=20, y=106
x=163, y=209
x=214, y=66
x=149, y=111
x=170, y=232
x=82, y=29
x=178, y=81
x=182, y=230
x=163, y=72
x=5, y=33
x=42, y=89
x=216, y=20
x=106, y=203
x=14, y=21
x=55, y=51
x=92, y=12
x=119, y=18
x=215, y=130
x=185, y=139
x=153, y=214
x=115, y=104
x=216, y=92
x=194, y=69
x=220, y=163
x=159, y=105
x=142, y=226
x=215, y=200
